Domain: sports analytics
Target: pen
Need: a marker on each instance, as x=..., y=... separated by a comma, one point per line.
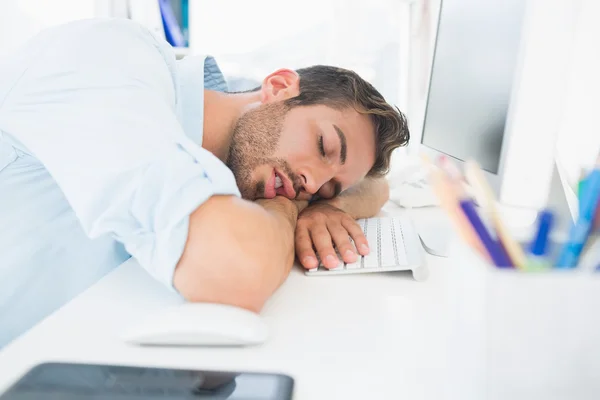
x=494, y=248
x=486, y=199
x=579, y=232
x=539, y=246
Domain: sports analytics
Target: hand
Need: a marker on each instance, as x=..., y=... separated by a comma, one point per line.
x=321, y=225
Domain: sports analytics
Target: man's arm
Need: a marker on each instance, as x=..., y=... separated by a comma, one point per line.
x=237, y=252
x=363, y=200
x=328, y=222
x=141, y=180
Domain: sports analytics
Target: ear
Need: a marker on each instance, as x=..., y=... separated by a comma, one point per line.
x=281, y=85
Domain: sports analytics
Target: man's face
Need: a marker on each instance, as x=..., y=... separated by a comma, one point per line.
x=301, y=151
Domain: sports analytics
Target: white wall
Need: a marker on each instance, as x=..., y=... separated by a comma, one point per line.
x=21, y=19
x=423, y=20
x=578, y=141
x=538, y=104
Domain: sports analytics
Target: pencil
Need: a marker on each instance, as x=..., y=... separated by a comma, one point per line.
x=494, y=249
x=448, y=195
x=486, y=199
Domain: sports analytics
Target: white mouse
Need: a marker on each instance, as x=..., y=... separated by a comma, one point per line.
x=200, y=324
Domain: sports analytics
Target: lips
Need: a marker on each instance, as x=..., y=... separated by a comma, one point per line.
x=270, y=191
x=287, y=189
x=279, y=184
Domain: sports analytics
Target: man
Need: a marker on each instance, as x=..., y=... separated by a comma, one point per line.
x=109, y=148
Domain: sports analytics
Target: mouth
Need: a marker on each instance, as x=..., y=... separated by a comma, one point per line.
x=279, y=185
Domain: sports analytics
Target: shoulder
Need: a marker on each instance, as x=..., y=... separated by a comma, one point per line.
x=104, y=53
x=110, y=40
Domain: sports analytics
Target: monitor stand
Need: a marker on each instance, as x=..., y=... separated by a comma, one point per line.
x=437, y=232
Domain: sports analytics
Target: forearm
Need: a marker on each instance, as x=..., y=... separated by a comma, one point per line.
x=237, y=252
x=363, y=200
x=284, y=214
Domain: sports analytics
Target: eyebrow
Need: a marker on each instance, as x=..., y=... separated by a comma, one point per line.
x=342, y=143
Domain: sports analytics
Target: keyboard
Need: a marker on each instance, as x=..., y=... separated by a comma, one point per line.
x=394, y=244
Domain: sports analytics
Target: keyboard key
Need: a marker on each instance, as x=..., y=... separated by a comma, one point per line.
x=371, y=260
x=388, y=255
x=354, y=265
x=361, y=223
x=399, y=242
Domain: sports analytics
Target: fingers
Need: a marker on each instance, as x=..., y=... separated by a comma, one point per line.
x=340, y=237
x=357, y=235
x=322, y=241
x=304, y=248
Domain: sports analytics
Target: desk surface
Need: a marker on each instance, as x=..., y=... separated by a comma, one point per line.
x=364, y=336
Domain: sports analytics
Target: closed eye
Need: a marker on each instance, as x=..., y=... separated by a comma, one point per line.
x=321, y=146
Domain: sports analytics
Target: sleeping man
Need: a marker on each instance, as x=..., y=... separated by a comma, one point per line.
x=111, y=149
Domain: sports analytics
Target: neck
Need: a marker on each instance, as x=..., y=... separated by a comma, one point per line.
x=221, y=112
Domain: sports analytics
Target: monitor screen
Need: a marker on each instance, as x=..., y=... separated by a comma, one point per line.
x=474, y=65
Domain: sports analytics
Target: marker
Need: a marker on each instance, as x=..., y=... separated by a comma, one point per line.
x=538, y=248
x=485, y=197
x=578, y=235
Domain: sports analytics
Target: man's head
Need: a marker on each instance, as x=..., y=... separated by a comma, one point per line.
x=315, y=131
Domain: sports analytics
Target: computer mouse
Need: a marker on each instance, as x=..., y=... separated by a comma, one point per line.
x=199, y=324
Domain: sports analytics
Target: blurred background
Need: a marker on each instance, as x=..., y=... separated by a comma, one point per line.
x=388, y=42
x=382, y=40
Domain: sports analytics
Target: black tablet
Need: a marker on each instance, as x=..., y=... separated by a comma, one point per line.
x=95, y=381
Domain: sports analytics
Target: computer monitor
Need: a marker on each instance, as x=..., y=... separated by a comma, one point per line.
x=473, y=73
x=489, y=99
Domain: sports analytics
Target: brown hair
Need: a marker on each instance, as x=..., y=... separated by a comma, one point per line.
x=340, y=88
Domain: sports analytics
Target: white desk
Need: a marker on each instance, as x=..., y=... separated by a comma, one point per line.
x=365, y=336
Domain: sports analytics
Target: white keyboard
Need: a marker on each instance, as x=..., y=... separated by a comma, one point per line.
x=394, y=244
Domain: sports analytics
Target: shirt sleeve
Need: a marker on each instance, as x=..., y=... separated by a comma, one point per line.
x=97, y=109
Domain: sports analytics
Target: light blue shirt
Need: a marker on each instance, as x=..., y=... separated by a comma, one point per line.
x=100, y=160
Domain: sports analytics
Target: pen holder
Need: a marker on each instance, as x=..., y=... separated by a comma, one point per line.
x=521, y=335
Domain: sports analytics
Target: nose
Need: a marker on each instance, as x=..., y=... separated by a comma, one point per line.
x=312, y=181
